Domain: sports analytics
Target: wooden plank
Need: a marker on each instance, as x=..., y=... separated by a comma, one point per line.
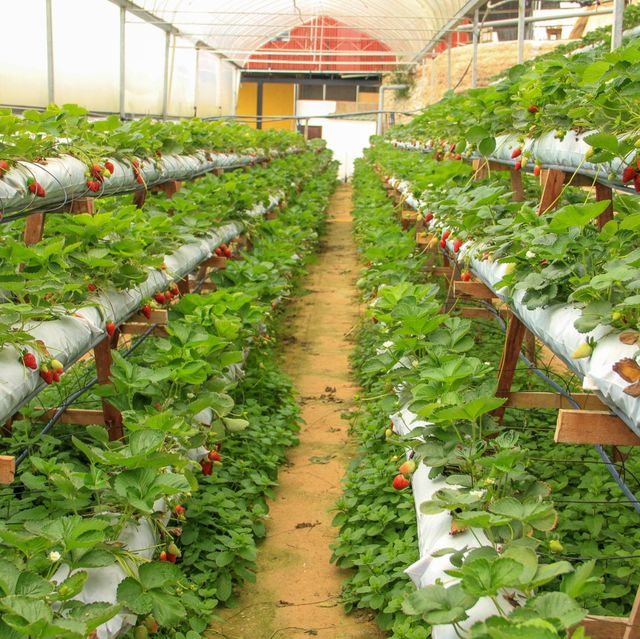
x=597, y=427
x=215, y=261
x=552, y=181
x=157, y=316
x=34, y=228
x=598, y=627
x=473, y=289
x=533, y=399
x=439, y=271
x=499, y=166
x=169, y=188
x=530, y=346
x=78, y=416
x=112, y=416
x=138, y=328
x=604, y=192
x=7, y=469
x=509, y=361
x=578, y=180
x=475, y=313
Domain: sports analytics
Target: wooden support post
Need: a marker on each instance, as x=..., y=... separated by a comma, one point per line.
x=604, y=192
x=112, y=416
x=83, y=205
x=208, y=287
x=138, y=328
x=183, y=286
x=633, y=629
x=597, y=427
x=509, y=361
x=516, y=186
x=271, y=215
x=7, y=469
x=537, y=399
x=139, y=198
x=530, y=346
x=552, y=181
x=480, y=169
x=169, y=188
x=34, y=228
x=218, y=171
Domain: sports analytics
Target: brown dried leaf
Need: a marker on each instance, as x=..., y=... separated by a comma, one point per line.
x=628, y=369
x=629, y=337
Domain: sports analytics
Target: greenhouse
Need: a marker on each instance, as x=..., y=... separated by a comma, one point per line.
x=320, y=318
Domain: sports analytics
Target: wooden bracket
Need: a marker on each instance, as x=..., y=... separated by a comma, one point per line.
x=552, y=181
x=157, y=316
x=535, y=399
x=112, y=416
x=7, y=469
x=597, y=427
x=217, y=171
x=439, y=271
x=408, y=219
x=138, y=328
x=598, y=627
x=183, y=286
x=473, y=289
x=215, y=261
x=604, y=192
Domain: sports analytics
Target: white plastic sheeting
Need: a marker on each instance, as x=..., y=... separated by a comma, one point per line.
x=553, y=325
x=70, y=337
x=64, y=178
x=567, y=155
x=434, y=533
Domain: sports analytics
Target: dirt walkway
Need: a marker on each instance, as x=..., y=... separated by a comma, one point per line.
x=297, y=588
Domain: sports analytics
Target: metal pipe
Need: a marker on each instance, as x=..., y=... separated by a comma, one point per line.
x=123, y=35
x=616, y=30
x=196, y=87
x=449, y=62
x=388, y=87
x=510, y=22
x=165, y=84
x=521, y=25
x=50, y=62
x=476, y=39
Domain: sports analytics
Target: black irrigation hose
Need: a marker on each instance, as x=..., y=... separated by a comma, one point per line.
x=70, y=399
x=599, y=449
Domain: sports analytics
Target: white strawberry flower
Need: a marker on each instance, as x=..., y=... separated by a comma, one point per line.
x=54, y=556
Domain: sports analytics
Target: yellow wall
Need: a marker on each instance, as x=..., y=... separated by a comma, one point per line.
x=277, y=99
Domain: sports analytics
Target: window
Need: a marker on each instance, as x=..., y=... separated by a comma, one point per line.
x=341, y=92
x=310, y=92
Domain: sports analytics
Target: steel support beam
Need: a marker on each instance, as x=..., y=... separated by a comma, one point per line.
x=476, y=40
x=123, y=59
x=521, y=26
x=616, y=31
x=51, y=93
x=165, y=83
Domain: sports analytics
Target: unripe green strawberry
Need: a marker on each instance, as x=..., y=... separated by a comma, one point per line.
x=584, y=350
x=140, y=632
x=151, y=624
x=408, y=467
x=174, y=550
x=555, y=546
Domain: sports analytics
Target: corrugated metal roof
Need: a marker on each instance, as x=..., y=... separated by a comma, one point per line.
x=237, y=28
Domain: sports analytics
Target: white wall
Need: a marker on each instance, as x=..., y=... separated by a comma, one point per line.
x=346, y=138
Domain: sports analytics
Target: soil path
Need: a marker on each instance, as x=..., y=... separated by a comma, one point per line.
x=296, y=594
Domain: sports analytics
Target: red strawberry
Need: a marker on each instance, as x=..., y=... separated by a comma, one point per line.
x=443, y=243
x=218, y=252
x=400, y=482
x=629, y=174
x=36, y=188
x=516, y=153
x=174, y=289
x=46, y=374
x=227, y=252
x=428, y=217
x=4, y=167
x=171, y=557
x=465, y=276
x=533, y=109
x=135, y=163
x=110, y=167
x=180, y=510
x=207, y=467
x=457, y=156
x=96, y=171
x=163, y=556
x=537, y=169
x=92, y=287
x=518, y=165
x=56, y=376
x=214, y=455
x=446, y=234
x=146, y=311
x=93, y=185
x=636, y=183
x=160, y=298
x=56, y=366
x=456, y=245
x=139, y=179
x=111, y=328
x=29, y=360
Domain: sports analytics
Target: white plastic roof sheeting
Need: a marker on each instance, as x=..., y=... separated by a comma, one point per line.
x=237, y=29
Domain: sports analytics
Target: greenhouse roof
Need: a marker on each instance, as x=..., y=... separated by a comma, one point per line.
x=238, y=29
